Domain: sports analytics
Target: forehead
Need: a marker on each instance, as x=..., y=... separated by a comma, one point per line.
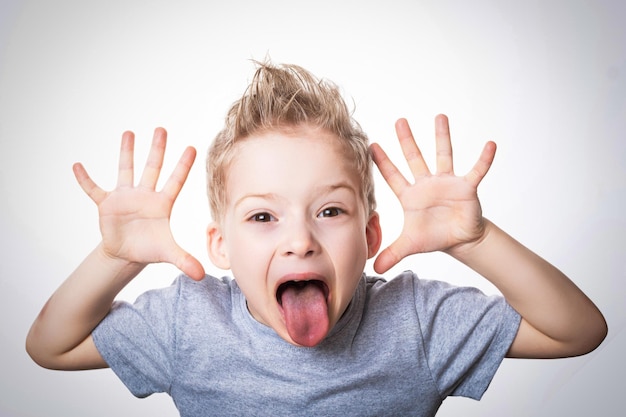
x=292, y=143
x=304, y=155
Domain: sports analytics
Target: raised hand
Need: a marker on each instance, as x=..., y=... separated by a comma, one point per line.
x=441, y=211
x=135, y=219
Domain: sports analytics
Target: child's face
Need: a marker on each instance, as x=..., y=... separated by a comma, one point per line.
x=294, y=213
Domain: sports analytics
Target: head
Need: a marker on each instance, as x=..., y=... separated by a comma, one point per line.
x=281, y=98
x=291, y=194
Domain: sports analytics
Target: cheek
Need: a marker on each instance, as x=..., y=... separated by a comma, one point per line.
x=349, y=263
x=349, y=250
x=249, y=258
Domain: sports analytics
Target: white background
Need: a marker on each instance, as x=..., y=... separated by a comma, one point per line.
x=546, y=80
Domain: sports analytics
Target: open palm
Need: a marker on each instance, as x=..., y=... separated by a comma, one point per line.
x=135, y=219
x=441, y=210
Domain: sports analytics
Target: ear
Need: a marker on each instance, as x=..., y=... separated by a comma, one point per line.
x=216, y=246
x=373, y=234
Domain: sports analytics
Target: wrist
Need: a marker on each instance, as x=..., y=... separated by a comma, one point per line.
x=464, y=252
x=119, y=269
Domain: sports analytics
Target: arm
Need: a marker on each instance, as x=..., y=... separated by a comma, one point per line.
x=443, y=213
x=134, y=222
x=558, y=320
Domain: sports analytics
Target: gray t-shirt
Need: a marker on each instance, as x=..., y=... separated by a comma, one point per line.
x=401, y=348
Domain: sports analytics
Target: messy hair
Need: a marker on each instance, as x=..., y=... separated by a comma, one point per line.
x=280, y=97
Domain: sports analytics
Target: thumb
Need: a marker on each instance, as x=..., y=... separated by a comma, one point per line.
x=393, y=254
x=189, y=265
x=192, y=268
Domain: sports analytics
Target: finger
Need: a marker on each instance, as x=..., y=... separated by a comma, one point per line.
x=410, y=149
x=189, y=265
x=125, y=169
x=480, y=169
x=90, y=188
x=176, y=181
x=154, y=163
x=393, y=254
x=389, y=171
x=443, y=145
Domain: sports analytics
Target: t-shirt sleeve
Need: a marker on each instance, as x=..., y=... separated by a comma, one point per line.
x=138, y=341
x=466, y=335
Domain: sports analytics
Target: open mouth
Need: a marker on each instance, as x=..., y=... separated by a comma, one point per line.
x=299, y=285
x=304, y=307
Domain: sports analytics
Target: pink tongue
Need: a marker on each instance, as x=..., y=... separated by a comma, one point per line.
x=306, y=313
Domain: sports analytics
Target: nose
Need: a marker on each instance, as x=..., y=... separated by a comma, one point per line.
x=300, y=240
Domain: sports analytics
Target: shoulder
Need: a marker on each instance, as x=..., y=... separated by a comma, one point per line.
x=408, y=284
x=182, y=296
x=208, y=294
x=209, y=285
x=427, y=290
x=462, y=332
x=430, y=298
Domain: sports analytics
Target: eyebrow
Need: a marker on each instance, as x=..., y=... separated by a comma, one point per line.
x=325, y=189
x=266, y=196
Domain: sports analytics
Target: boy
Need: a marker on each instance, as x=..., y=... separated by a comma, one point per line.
x=300, y=330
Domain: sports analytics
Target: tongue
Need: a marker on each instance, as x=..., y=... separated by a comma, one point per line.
x=306, y=313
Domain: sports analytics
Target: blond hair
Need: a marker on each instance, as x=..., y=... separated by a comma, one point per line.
x=279, y=97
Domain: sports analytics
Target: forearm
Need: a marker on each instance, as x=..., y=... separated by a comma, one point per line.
x=76, y=308
x=546, y=299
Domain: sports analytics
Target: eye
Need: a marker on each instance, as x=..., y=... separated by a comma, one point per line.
x=330, y=212
x=262, y=217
